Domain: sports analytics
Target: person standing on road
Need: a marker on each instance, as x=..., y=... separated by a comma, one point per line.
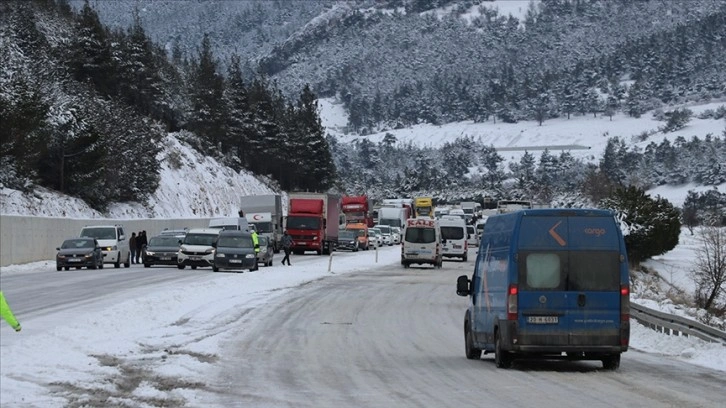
x=132, y=247
x=287, y=244
x=256, y=241
x=139, y=245
x=7, y=314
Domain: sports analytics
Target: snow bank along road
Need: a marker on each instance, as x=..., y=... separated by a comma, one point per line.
x=377, y=336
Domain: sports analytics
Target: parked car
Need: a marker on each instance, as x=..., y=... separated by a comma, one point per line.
x=396, y=235
x=161, y=250
x=348, y=241
x=197, y=248
x=385, y=234
x=79, y=253
x=377, y=236
x=267, y=251
x=471, y=237
x=234, y=250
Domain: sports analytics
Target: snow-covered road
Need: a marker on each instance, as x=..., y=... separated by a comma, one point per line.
x=366, y=333
x=394, y=338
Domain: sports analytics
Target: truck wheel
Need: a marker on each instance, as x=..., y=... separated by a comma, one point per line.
x=502, y=359
x=611, y=362
x=472, y=353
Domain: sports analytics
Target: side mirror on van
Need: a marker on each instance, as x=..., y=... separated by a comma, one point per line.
x=462, y=286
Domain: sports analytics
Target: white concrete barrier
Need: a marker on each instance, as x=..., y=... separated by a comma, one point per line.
x=26, y=239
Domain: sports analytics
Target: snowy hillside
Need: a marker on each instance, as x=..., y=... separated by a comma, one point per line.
x=196, y=186
x=192, y=185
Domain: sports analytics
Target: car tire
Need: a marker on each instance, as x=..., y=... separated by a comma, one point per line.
x=118, y=263
x=214, y=268
x=127, y=264
x=194, y=267
x=612, y=362
x=180, y=266
x=101, y=265
x=58, y=268
x=94, y=266
x=502, y=359
x=472, y=353
x=147, y=265
x=68, y=268
x=465, y=258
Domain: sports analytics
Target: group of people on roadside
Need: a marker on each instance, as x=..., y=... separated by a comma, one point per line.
x=136, y=246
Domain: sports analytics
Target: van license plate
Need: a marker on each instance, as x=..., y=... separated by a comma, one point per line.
x=543, y=319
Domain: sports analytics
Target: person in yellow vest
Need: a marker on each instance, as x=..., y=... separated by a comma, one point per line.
x=256, y=241
x=7, y=314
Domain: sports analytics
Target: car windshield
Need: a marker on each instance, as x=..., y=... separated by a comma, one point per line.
x=263, y=226
x=200, y=239
x=77, y=243
x=165, y=241
x=452, y=232
x=99, y=233
x=346, y=235
x=263, y=241
x=235, y=242
x=309, y=223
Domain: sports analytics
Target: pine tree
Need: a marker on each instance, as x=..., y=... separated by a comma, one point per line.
x=208, y=118
x=652, y=226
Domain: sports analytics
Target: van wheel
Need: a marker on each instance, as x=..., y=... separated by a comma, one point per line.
x=502, y=359
x=128, y=261
x=472, y=353
x=611, y=362
x=465, y=257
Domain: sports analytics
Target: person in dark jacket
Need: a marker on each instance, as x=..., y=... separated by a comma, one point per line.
x=287, y=244
x=139, y=245
x=132, y=247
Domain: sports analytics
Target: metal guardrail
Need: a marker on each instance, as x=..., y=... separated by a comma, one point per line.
x=675, y=325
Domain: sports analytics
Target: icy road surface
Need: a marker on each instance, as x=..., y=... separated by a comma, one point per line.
x=394, y=338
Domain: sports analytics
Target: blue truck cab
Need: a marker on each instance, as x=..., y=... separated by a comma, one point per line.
x=549, y=283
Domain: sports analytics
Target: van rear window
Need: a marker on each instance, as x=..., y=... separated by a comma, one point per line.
x=569, y=270
x=452, y=232
x=420, y=235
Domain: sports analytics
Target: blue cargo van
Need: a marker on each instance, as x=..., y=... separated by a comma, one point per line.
x=549, y=283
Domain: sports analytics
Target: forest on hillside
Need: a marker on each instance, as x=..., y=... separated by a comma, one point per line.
x=85, y=105
x=84, y=109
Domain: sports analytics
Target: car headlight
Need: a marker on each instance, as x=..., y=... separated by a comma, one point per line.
x=209, y=251
x=152, y=253
x=88, y=256
x=220, y=255
x=250, y=256
x=61, y=256
x=315, y=238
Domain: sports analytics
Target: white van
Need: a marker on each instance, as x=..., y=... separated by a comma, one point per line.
x=471, y=237
x=421, y=243
x=113, y=242
x=454, y=234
